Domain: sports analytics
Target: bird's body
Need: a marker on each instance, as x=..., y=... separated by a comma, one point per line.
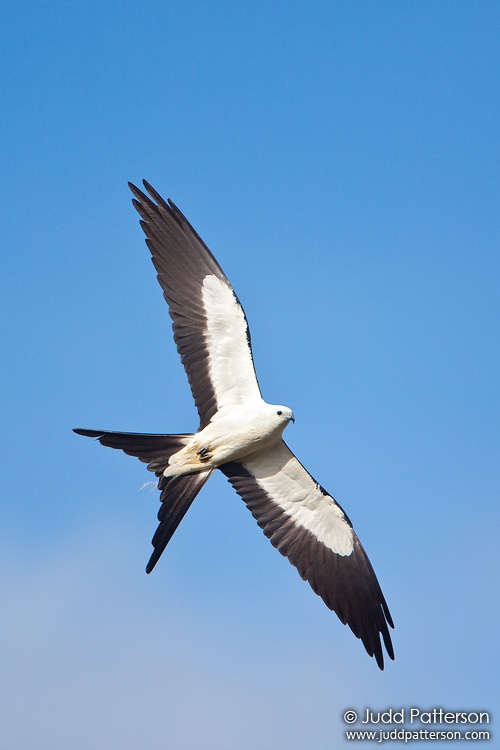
x=231, y=436
x=241, y=435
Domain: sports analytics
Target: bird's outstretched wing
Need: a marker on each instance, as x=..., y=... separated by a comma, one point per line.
x=306, y=525
x=209, y=324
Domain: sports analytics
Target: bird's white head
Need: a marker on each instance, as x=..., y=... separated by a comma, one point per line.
x=281, y=415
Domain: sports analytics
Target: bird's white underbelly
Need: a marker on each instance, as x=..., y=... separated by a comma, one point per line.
x=224, y=439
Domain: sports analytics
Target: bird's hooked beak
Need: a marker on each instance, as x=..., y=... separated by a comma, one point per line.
x=292, y=417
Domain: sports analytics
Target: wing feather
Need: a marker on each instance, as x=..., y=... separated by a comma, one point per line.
x=209, y=324
x=309, y=528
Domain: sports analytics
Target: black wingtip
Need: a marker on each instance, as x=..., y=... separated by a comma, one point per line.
x=150, y=189
x=379, y=654
x=388, y=617
x=155, y=195
x=137, y=192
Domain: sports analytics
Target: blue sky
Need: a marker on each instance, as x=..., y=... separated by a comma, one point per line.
x=341, y=160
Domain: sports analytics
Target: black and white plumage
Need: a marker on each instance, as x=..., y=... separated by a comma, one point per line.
x=241, y=434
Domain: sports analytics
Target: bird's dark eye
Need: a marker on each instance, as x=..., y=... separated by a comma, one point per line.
x=279, y=413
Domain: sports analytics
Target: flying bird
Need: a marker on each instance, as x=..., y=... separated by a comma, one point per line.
x=241, y=434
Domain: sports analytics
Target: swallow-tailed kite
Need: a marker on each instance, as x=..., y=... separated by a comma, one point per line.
x=241, y=434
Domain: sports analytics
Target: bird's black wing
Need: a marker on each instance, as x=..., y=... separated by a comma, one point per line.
x=309, y=527
x=209, y=324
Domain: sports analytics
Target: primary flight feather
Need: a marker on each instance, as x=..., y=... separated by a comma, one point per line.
x=241, y=435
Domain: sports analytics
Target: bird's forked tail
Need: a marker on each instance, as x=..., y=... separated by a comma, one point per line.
x=177, y=493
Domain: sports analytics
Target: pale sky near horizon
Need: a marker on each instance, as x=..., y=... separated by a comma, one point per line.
x=341, y=161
